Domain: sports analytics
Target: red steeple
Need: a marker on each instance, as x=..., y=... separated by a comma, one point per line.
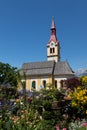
x=53, y=32
x=53, y=24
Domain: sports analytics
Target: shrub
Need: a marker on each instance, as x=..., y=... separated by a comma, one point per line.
x=79, y=101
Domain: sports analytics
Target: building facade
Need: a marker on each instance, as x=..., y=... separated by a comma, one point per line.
x=52, y=71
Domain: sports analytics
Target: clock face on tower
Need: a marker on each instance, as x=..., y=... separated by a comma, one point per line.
x=52, y=44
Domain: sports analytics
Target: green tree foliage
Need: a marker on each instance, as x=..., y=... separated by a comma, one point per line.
x=8, y=74
x=8, y=92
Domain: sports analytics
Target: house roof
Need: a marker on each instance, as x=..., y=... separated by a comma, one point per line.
x=46, y=68
x=62, y=68
x=38, y=68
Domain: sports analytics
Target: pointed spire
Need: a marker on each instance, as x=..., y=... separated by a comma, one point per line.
x=53, y=32
x=53, y=24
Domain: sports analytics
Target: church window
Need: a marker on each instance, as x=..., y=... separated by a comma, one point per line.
x=53, y=50
x=50, y=50
x=44, y=83
x=61, y=83
x=33, y=84
x=55, y=83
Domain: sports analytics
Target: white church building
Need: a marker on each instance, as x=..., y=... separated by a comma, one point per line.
x=39, y=74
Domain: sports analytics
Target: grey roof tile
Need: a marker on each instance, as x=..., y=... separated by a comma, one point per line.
x=39, y=71
x=62, y=68
x=38, y=68
x=46, y=68
x=35, y=65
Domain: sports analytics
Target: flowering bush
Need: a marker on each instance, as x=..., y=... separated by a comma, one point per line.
x=84, y=80
x=78, y=125
x=79, y=101
x=50, y=109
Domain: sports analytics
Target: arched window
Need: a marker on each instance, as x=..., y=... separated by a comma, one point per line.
x=61, y=83
x=53, y=50
x=55, y=83
x=44, y=83
x=34, y=84
x=50, y=50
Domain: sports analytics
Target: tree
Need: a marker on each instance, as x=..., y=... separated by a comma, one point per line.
x=8, y=89
x=8, y=74
x=71, y=83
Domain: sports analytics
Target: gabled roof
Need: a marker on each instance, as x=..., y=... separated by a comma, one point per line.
x=46, y=68
x=63, y=68
x=38, y=68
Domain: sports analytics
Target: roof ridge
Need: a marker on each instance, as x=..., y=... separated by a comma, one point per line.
x=38, y=62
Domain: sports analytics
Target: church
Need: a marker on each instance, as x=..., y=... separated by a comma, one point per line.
x=52, y=71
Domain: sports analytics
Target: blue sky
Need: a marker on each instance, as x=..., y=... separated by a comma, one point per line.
x=25, y=30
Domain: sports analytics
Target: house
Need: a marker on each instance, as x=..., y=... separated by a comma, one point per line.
x=52, y=71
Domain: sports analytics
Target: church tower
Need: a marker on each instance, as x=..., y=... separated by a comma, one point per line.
x=53, y=47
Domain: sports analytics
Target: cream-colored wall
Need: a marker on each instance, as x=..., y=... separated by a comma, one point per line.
x=31, y=80
x=28, y=84
x=38, y=80
x=58, y=79
x=39, y=83
x=50, y=54
x=61, y=77
x=53, y=56
x=46, y=78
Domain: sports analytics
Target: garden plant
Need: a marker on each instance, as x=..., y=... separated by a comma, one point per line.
x=48, y=109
